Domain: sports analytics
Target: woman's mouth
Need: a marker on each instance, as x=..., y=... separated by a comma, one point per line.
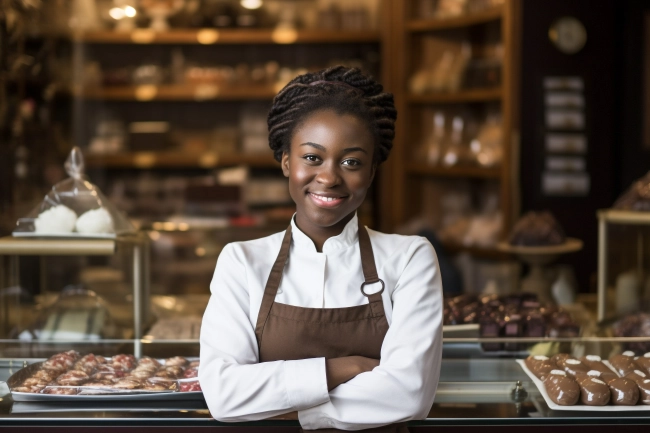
x=324, y=201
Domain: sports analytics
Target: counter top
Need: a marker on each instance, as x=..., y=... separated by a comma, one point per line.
x=471, y=393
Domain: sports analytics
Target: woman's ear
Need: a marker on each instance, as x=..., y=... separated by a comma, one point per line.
x=285, y=163
x=373, y=170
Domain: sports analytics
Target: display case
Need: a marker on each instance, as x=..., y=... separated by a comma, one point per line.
x=75, y=293
x=623, y=263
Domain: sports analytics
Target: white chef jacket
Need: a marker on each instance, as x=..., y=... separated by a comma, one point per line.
x=239, y=388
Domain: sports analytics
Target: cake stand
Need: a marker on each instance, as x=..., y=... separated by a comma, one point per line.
x=537, y=257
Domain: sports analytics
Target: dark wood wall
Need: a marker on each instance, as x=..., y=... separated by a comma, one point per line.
x=599, y=63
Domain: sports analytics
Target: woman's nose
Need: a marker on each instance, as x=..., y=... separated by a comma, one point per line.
x=328, y=175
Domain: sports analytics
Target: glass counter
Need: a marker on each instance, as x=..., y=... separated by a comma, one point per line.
x=476, y=392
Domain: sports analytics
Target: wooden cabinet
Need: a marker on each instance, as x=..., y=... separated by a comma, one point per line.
x=463, y=69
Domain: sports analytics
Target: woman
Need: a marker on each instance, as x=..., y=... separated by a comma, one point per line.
x=335, y=321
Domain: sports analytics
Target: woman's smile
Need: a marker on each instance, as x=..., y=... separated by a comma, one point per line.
x=326, y=200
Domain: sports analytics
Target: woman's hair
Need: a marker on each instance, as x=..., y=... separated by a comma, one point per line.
x=344, y=90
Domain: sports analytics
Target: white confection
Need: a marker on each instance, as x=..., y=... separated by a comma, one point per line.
x=593, y=373
x=573, y=361
x=593, y=358
x=55, y=220
x=558, y=372
x=646, y=381
x=640, y=373
x=628, y=353
x=95, y=221
x=646, y=355
x=598, y=381
x=540, y=358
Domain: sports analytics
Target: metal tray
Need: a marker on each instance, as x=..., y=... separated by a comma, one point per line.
x=18, y=377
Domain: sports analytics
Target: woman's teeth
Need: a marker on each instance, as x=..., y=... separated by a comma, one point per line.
x=320, y=197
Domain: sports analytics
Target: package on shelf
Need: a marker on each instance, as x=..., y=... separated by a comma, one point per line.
x=74, y=207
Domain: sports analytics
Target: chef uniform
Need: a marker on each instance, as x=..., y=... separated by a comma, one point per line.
x=297, y=336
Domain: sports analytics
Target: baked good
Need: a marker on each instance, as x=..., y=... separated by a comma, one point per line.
x=623, y=363
x=95, y=221
x=643, y=362
x=55, y=220
x=72, y=378
x=593, y=391
x=540, y=365
x=176, y=361
x=643, y=383
x=189, y=386
x=623, y=391
x=60, y=391
x=537, y=229
x=594, y=362
x=572, y=366
x=561, y=389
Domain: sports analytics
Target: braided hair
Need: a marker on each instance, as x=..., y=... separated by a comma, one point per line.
x=344, y=90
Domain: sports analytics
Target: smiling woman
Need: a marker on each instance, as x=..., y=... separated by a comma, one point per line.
x=328, y=318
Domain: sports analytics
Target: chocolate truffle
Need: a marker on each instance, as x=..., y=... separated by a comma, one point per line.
x=572, y=366
x=540, y=366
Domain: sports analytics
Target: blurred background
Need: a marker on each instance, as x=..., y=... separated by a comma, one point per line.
x=504, y=107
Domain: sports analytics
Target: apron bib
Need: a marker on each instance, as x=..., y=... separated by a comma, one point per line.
x=287, y=332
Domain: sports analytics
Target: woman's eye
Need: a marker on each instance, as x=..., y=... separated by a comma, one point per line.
x=351, y=162
x=311, y=158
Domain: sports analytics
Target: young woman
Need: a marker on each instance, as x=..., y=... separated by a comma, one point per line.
x=333, y=320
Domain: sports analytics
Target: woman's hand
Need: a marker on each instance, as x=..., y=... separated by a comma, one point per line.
x=340, y=370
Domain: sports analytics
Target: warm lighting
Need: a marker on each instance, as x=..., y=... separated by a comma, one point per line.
x=183, y=227
x=200, y=251
x=251, y=4
x=129, y=11
x=158, y=226
x=169, y=226
x=117, y=13
x=154, y=236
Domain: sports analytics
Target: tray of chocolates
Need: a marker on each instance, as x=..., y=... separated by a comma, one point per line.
x=589, y=383
x=512, y=316
x=70, y=376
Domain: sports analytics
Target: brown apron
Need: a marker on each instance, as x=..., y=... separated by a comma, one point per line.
x=286, y=332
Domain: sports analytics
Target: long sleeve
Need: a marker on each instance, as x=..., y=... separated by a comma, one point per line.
x=236, y=387
x=403, y=386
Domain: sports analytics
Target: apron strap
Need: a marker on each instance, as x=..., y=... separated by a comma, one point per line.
x=370, y=271
x=272, y=285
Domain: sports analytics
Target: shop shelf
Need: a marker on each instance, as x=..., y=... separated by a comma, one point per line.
x=227, y=36
x=473, y=95
x=197, y=92
x=177, y=159
x=432, y=24
x=459, y=171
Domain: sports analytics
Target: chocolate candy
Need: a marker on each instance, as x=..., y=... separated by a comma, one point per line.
x=561, y=389
x=642, y=381
x=540, y=366
x=644, y=363
x=560, y=357
x=623, y=363
x=572, y=366
x=594, y=362
x=593, y=391
x=623, y=391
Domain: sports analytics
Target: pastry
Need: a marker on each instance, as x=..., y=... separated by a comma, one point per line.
x=623, y=363
x=55, y=220
x=190, y=386
x=72, y=378
x=95, y=221
x=594, y=362
x=624, y=391
x=191, y=372
x=540, y=365
x=643, y=383
x=60, y=391
x=537, y=229
x=593, y=391
x=644, y=362
x=561, y=389
x=572, y=366
x=176, y=360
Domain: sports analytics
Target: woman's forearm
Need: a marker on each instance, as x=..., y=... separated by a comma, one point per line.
x=340, y=370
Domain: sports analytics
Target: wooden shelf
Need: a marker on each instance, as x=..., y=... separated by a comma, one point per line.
x=473, y=95
x=459, y=171
x=227, y=36
x=177, y=159
x=490, y=253
x=197, y=92
x=432, y=24
x=58, y=246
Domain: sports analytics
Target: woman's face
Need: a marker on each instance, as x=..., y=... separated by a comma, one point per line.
x=330, y=168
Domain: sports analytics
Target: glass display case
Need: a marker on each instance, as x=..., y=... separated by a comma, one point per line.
x=86, y=294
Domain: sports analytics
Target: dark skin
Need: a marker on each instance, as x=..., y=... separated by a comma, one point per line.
x=330, y=168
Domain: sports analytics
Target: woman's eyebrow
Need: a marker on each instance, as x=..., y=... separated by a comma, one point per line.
x=317, y=146
x=323, y=149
